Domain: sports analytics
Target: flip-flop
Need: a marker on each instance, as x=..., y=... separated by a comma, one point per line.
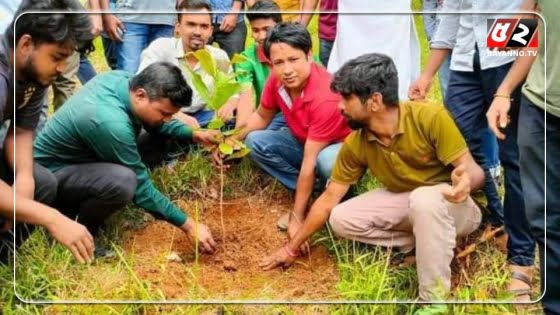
x=518, y=293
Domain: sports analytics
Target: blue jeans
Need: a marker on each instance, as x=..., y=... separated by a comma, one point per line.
x=532, y=162
x=490, y=149
x=468, y=97
x=135, y=39
x=203, y=117
x=325, y=48
x=279, y=154
x=277, y=122
x=86, y=71
x=109, y=48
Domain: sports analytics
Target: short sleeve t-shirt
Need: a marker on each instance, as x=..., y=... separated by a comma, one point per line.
x=315, y=114
x=426, y=143
x=29, y=97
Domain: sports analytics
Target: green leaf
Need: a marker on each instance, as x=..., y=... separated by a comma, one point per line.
x=199, y=86
x=207, y=62
x=224, y=91
x=215, y=123
x=239, y=58
x=238, y=154
x=225, y=148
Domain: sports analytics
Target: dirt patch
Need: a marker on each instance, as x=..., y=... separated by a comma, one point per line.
x=233, y=272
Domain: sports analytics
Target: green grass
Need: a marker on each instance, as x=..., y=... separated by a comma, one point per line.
x=46, y=271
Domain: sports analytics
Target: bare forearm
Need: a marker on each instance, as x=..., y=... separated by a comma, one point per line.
x=435, y=59
x=304, y=188
x=236, y=7
x=255, y=122
x=317, y=217
x=94, y=5
x=245, y=108
x=26, y=210
x=517, y=73
x=24, y=152
x=307, y=6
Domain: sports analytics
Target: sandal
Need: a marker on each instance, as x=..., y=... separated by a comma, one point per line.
x=521, y=294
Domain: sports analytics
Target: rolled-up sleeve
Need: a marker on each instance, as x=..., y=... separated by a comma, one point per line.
x=445, y=35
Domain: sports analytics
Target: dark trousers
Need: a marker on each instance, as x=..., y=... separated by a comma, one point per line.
x=93, y=191
x=156, y=149
x=469, y=95
x=532, y=162
x=45, y=192
x=232, y=42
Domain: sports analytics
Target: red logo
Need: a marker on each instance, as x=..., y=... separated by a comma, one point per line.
x=505, y=33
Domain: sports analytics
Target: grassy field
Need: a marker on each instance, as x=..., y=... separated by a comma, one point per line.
x=47, y=272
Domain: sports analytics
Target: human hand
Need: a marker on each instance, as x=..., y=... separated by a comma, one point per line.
x=200, y=233
x=114, y=27
x=497, y=115
x=460, y=188
x=419, y=88
x=73, y=236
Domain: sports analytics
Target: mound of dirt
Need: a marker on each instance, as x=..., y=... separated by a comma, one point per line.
x=232, y=273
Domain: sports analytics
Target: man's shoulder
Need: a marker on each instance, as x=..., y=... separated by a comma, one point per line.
x=217, y=53
x=423, y=112
x=164, y=45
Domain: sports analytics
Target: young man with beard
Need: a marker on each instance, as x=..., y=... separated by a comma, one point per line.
x=418, y=154
x=195, y=29
x=306, y=149
x=90, y=146
x=40, y=47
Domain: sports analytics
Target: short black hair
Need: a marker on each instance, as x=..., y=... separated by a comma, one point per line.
x=193, y=5
x=73, y=27
x=163, y=80
x=264, y=9
x=367, y=74
x=293, y=34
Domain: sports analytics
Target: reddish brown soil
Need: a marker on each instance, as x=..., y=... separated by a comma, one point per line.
x=233, y=272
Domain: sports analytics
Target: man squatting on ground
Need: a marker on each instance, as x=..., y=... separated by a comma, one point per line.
x=415, y=150
x=41, y=46
x=301, y=156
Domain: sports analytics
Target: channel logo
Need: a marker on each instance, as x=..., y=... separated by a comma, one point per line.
x=512, y=33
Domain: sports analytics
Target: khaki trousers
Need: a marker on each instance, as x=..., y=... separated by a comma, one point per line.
x=421, y=218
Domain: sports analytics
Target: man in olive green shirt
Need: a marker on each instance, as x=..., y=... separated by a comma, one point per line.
x=416, y=151
x=90, y=145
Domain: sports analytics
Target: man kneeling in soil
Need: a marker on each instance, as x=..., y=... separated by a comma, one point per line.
x=90, y=146
x=299, y=88
x=416, y=151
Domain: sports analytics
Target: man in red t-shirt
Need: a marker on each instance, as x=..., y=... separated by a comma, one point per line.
x=316, y=128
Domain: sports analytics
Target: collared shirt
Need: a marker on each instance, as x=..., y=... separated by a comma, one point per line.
x=537, y=85
x=29, y=97
x=151, y=6
x=462, y=32
x=224, y=6
x=315, y=114
x=171, y=50
x=420, y=154
x=256, y=69
x=97, y=125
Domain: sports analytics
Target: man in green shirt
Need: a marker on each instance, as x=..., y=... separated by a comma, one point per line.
x=539, y=115
x=262, y=16
x=90, y=145
x=417, y=152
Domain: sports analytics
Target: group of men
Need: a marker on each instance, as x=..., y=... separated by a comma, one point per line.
x=311, y=130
